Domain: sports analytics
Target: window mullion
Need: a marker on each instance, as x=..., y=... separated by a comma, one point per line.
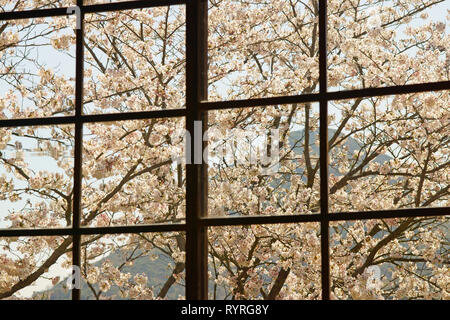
x=196, y=169
x=77, y=176
x=324, y=223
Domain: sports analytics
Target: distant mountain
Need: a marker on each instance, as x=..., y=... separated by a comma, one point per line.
x=296, y=138
x=158, y=271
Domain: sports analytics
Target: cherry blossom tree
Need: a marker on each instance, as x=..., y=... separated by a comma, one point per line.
x=384, y=152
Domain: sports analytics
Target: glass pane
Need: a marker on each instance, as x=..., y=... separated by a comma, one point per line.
x=272, y=262
x=387, y=43
x=36, y=177
x=135, y=60
x=262, y=48
x=130, y=175
x=143, y=266
x=258, y=163
x=389, y=152
x=37, y=68
x=32, y=268
x=21, y=5
x=398, y=259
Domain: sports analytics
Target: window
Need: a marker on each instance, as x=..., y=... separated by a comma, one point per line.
x=348, y=99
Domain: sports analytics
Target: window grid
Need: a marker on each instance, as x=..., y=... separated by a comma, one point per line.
x=197, y=221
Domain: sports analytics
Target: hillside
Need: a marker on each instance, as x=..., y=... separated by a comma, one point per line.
x=157, y=271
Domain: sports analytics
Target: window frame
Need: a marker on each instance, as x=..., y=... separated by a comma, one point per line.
x=197, y=106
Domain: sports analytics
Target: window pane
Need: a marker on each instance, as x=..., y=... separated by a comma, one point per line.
x=386, y=43
x=21, y=5
x=37, y=68
x=36, y=173
x=143, y=266
x=24, y=259
x=389, y=152
x=390, y=259
x=265, y=262
x=258, y=163
x=129, y=173
x=135, y=60
x=262, y=48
